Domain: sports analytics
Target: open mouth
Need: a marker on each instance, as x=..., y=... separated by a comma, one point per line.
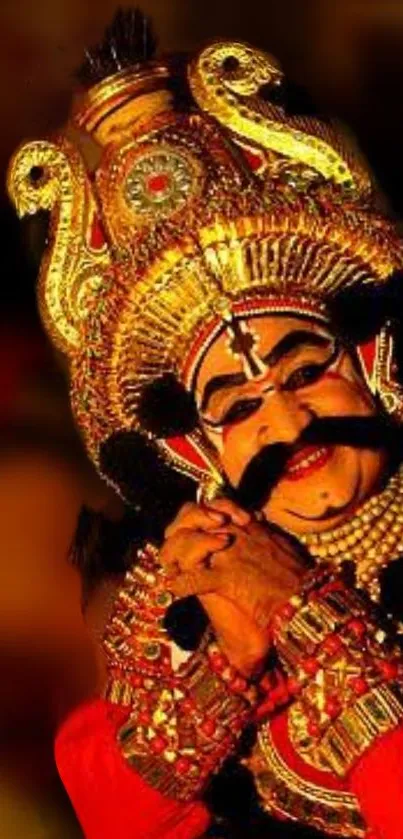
x=306, y=461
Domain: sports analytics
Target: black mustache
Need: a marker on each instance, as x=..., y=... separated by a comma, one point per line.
x=265, y=469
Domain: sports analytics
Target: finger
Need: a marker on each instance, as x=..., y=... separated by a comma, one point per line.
x=253, y=581
x=276, y=546
x=197, y=582
x=236, y=514
x=189, y=548
x=195, y=517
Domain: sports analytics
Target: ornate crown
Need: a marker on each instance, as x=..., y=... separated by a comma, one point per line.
x=197, y=196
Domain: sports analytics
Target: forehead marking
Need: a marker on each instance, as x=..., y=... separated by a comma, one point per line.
x=242, y=344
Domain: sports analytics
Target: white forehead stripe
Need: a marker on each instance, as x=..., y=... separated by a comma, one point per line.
x=303, y=308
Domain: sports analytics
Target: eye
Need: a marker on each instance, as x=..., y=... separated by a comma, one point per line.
x=241, y=410
x=306, y=375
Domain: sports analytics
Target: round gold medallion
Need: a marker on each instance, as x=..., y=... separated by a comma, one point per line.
x=161, y=182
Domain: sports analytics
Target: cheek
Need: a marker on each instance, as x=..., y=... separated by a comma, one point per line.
x=342, y=391
x=236, y=446
x=239, y=447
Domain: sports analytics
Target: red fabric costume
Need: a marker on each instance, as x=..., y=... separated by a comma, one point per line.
x=112, y=799
x=113, y=802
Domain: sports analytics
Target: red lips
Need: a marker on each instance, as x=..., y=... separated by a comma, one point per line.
x=306, y=461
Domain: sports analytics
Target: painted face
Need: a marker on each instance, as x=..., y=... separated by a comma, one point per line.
x=262, y=382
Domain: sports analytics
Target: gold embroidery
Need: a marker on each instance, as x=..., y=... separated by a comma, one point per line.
x=283, y=791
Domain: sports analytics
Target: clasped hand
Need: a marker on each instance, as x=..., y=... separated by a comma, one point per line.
x=241, y=570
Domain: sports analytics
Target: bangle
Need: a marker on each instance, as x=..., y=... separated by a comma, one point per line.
x=344, y=669
x=355, y=730
x=234, y=681
x=182, y=722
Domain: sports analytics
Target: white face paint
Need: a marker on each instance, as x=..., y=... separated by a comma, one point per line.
x=257, y=373
x=262, y=383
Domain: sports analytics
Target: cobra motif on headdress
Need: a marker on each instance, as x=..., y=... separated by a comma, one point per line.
x=233, y=206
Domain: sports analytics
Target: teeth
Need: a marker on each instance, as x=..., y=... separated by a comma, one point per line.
x=307, y=461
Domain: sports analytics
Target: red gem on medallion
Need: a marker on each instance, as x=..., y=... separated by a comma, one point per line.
x=357, y=627
x=238, y=684
x=313, y=728
x=388, y=669
x=287, y=612
x=217, y=663
x=208, y=727
x=359, y=685
x=332, y=707
x=158, y=183
x=162, y=181
x=331, y=645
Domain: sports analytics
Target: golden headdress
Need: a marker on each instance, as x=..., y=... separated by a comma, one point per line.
x=206, y=198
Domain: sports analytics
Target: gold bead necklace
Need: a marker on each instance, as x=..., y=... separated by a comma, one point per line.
x=371, y=538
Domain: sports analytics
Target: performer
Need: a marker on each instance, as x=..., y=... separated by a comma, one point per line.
x=225, y=292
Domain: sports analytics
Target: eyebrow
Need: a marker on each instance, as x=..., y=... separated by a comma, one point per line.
x=290, y=342
x=294, y=340
x=222, y=382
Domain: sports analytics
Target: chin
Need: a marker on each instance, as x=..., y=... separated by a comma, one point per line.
x=313, y=515
x=324, y=499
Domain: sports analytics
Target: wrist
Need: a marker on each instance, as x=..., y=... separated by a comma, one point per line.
x=191, y=724
x=237, y=681
x=250, y=662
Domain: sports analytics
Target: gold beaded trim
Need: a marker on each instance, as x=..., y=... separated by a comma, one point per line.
x=355, y=730
x=285, y=793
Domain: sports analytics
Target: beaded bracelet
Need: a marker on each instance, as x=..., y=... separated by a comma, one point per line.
x=184, y=720
x=345, y=671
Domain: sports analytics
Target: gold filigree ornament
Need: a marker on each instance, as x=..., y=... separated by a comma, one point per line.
x=229, y=206
x=52, y=177
x=227, y=80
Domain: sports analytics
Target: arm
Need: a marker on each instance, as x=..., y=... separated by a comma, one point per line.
x=346, y=672
x=165, y=727
x=111, y=799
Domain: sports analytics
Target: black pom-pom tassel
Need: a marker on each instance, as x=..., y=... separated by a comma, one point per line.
x=152, y=488
x=167, y=409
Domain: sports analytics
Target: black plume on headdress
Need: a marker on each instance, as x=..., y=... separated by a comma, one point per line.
x=360, y=313
x=128, y=40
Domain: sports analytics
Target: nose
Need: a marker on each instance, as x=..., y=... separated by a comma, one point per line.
x=282, y=418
